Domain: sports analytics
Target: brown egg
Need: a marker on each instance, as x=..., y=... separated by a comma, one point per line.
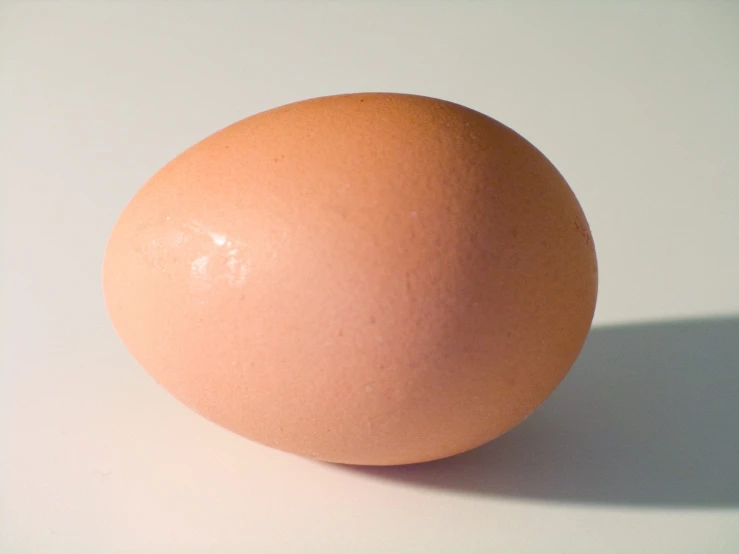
x=365, y=279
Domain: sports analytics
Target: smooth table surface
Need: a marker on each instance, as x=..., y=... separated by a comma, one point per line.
x=636, y=104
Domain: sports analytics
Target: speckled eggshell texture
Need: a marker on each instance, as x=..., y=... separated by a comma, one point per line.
x=365, y=278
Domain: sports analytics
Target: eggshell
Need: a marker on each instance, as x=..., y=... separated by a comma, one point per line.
x=365, y=278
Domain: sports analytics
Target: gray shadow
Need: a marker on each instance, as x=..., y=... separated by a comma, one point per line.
x=649, y=415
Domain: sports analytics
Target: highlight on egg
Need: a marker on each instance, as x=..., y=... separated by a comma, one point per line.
x=367, y=278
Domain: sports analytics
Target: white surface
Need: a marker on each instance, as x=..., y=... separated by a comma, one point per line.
x=636, y=103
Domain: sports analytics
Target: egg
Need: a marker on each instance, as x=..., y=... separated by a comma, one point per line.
x=372, y=278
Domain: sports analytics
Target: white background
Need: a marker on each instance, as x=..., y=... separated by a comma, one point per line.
x=637, y=103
